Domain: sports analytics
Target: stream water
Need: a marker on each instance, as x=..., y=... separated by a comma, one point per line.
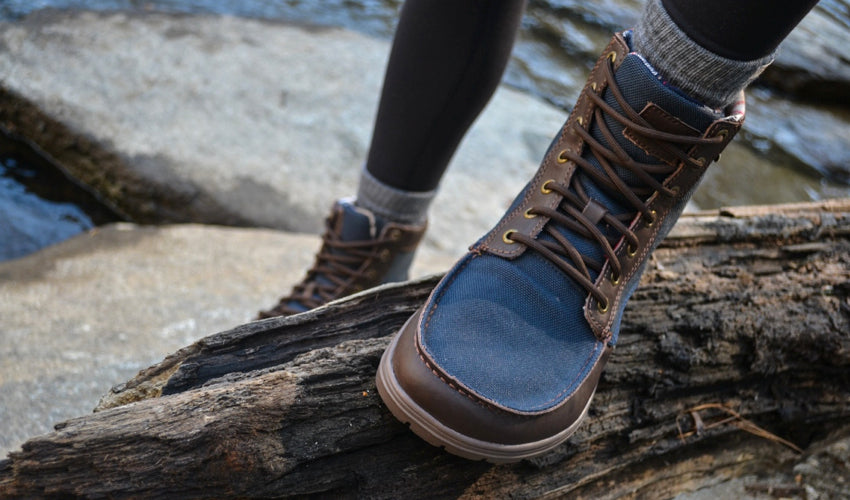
x=39, y=204
x=546, y=62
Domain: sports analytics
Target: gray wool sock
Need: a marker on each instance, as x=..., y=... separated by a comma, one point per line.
x=703, y=75
x=397, y=205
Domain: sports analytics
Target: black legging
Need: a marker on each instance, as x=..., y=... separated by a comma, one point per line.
x=448, y=57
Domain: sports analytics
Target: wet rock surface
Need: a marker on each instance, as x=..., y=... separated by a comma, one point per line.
x=235, y=121
x=812, y=63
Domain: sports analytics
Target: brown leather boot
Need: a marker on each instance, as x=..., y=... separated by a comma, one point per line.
x=359, y=251
x=502, y=361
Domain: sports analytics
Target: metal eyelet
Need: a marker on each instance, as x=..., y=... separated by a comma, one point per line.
x=722, y=133
x=580, y=121
x=602, y=309
x=701, y=161
x=612, y=56
x=395, y=235
x=652, y=221
x=615, y=278
x=676, y=190
x=544, y=189
x=371, y=274
x=561, y=158
x=384, y=255
x=630, y=250
x=593, y=86
x=528, y=214
x=507, y=236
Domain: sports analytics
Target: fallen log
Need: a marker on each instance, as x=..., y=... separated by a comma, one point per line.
x=734, y=358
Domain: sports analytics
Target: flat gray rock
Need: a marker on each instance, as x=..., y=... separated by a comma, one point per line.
x=238, y=121
x=89, y=313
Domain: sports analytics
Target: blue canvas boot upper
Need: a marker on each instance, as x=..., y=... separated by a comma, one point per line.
x=360, y=250
x=512, y=330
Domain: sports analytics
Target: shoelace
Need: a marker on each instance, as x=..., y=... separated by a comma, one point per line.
x=570, y=213
x=336, y=268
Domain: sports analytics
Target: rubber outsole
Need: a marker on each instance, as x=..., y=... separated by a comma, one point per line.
x=406, y=410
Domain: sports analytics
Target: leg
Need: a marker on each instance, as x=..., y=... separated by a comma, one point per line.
x=502, y=361
x=447, y=59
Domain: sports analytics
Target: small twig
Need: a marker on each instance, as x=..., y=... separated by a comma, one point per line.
x=734, y=418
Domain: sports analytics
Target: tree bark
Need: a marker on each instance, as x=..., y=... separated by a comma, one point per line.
x=742, y=323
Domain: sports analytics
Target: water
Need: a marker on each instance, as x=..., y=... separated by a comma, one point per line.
x=33, y=222
x=39, y=205
x=375, y=17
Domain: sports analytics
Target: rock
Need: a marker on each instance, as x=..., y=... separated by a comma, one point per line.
x=812, y=63
x=825, y=472
x=816, y=137
x=237, y=121
x=89, y=313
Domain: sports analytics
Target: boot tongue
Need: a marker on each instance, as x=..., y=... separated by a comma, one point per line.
x=640, y=84
x=354, y=223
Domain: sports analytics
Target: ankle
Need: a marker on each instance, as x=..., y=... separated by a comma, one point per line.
x=392, y=204
x=701, y=74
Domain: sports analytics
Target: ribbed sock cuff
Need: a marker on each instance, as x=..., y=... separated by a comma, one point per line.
x=397, y=205
x=703, y=75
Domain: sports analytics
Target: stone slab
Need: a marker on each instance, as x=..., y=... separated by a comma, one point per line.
x=89, y=313
x=244, y=121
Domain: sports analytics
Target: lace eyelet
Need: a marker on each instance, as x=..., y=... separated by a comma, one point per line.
x=723, y=133
x=630, y=250
x=580, y=121
x=602, y=309
x=615, y=278
x=593, y=86
x=371, y=274
x=561, y=158
x=528, y=214
x=544, y=189
x=612, y=56
x=507, y=236
x=651, y=222
x=701, y=161
x=384, y=255
x=395, y=235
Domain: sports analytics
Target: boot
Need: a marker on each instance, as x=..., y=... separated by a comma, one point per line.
x=359, y=251
x=503, y=359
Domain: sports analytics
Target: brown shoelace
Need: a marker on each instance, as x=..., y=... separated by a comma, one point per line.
x=338, y=266
x=570, y=212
